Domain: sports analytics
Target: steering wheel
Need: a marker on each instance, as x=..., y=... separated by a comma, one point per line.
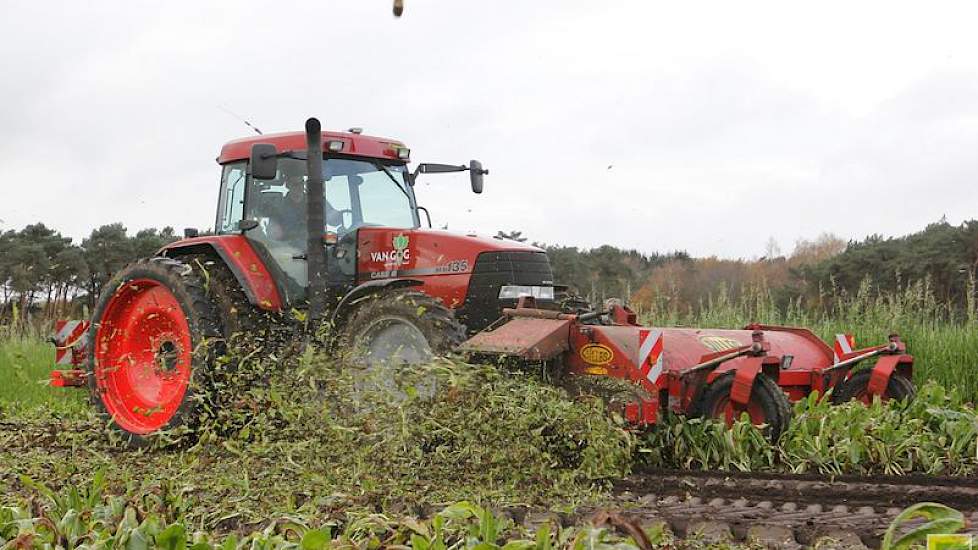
x=342, y=228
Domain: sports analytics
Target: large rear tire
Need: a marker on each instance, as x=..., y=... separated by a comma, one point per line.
x=856, y=387
x=152, y=334
x=242, y=324
x=768, y=405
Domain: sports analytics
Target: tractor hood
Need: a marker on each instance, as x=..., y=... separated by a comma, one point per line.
x=385, y=253
x=476, y=242
x=467, y=273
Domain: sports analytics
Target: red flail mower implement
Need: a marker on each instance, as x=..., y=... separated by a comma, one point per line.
x=359, y=259
x=716, y=373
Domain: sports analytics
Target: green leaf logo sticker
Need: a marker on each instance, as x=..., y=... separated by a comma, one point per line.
x=400, y=242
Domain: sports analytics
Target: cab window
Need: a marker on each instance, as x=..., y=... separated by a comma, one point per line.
x=231, y=202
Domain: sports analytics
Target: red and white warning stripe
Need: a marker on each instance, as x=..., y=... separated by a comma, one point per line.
x=650, y=353
x=844, y=343
x=68, y=336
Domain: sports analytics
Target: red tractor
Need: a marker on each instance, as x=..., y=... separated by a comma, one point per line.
x=357, y=258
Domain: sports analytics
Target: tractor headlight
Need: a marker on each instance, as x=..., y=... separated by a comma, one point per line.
x=512, y=292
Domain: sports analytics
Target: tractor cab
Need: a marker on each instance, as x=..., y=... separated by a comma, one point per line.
x=271, y=213
x=371, y=232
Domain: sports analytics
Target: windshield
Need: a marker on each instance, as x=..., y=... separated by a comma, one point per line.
x=358, y=193
x=368, y=193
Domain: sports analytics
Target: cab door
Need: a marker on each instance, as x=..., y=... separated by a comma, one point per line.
x=283, y=251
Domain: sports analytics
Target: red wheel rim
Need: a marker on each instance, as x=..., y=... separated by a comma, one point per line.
x=143, y=356
x=730, y=412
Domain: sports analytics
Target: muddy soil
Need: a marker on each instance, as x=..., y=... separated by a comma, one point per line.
x=786, y=511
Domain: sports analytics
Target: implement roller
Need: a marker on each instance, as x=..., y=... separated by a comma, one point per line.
x=758, y=370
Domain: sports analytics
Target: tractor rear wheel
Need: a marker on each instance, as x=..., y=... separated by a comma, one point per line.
x=857, y=387
x=152, y=332
x=768, y=405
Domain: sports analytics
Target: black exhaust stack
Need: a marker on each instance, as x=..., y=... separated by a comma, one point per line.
x=315, y=222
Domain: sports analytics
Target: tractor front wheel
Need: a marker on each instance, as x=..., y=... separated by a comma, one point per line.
x=151, y=331
x=857, y=387
x=400, y=327
x=768, y=405
x=389, y=330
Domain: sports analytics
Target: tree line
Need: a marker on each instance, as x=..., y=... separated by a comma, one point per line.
x=43, y=271
x=813, y=274
x=602, y=272
x=943, y=254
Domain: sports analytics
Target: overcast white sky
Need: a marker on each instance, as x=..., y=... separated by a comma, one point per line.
x=724, y=123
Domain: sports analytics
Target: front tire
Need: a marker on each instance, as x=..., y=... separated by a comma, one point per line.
x=152, y=334
x=400, y=327
x=390, y=330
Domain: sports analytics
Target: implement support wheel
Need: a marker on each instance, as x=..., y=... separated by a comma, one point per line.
x=856, y=387
x=768, y=404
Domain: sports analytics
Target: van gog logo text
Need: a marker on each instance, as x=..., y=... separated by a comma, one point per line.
x=391, y=256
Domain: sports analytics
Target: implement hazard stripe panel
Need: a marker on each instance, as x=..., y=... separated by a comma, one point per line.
x=67, y=335
x=650, y=353
x=843, y=345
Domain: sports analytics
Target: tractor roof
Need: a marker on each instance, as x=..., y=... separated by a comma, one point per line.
x=353, y=144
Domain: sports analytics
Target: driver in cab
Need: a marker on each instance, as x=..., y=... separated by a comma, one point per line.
x=287, y=220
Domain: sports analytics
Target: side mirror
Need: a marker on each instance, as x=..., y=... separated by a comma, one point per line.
x=435, y=168
x=264, y=161
x=475, y=175
x=476, y=171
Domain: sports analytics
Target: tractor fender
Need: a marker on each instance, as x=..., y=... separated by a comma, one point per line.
x=883, y=370
x=239, y=256
x=365, y=289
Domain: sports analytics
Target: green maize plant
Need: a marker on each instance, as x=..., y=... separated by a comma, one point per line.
x=935, y=434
